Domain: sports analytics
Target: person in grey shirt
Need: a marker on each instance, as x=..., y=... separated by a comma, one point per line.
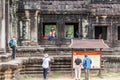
x=45, y=65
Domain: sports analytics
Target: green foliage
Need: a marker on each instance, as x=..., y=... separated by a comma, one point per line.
x=69, y=31
x=48, y=28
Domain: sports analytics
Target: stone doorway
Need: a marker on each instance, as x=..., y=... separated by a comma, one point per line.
x=118, y=32
x=71, y=30
x=100, y=32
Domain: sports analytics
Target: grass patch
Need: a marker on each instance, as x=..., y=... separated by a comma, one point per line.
x=58, y=75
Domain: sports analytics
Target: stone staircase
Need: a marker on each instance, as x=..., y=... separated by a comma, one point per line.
x=29, y=60
x=111, y=58
x=58, y=64
x=62, y=64
x=9, y=69
x=4, y=57
x=61, y=60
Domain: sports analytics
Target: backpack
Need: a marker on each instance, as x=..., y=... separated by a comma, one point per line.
x=11, y=43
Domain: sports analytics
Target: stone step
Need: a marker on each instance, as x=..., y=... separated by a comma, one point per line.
x=114, y=56
x=5, y=57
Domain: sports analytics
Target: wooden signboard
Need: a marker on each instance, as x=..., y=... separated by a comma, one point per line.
x=94, y=56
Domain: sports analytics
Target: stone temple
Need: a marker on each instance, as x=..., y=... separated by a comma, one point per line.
x=31, y=20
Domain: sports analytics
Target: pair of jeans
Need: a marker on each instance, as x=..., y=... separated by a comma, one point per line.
x=87, y=74
x=45, y=72
x=13, y=52
x=50, y=38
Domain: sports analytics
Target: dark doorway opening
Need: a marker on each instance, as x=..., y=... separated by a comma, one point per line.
x=71, y=30
x=101, y=32
x=118, y=32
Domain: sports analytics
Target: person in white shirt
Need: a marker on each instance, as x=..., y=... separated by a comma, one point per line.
x=78, y=65
x=45, y=65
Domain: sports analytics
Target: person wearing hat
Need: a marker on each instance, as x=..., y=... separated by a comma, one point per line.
x=51, y=35
x=13, y=44
x=45, y=65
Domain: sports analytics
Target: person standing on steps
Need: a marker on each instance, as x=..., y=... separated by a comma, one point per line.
x=78, y=62
x=45, y=65
x=13, y=45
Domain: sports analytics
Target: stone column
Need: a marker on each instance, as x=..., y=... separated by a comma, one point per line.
x=27, y=36
x=110, y=32
x=26, y=29
x=80, y=27
x=2, y=34
x=20, y=25
x=27, y=25
x=34, y=29
x=84, y=28
x=0, y=27
x=60, y=24
x=13, y=26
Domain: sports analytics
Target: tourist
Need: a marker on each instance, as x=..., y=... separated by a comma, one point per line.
x=76, y=34
x=78, y=68
x=100, y=36
x=87, y=65
x=45, y=65
x=52, y=34
x=13, y=44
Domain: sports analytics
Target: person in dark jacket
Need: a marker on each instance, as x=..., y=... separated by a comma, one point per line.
x=78, y=62
x=87, y=65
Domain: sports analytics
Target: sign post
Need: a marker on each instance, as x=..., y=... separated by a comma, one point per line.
x=95, y=57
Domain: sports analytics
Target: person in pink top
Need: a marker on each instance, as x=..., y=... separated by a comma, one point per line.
x=51, y=35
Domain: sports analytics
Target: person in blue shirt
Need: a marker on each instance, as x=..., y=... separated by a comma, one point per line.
x=13, y=44
x=45, y=65
x=87, y=65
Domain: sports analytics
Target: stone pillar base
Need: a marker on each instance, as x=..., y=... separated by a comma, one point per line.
x=26, y=43
x=1, y=51
x=34, y=44
x=29, y=43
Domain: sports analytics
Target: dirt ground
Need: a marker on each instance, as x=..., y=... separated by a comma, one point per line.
x=63, y=76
